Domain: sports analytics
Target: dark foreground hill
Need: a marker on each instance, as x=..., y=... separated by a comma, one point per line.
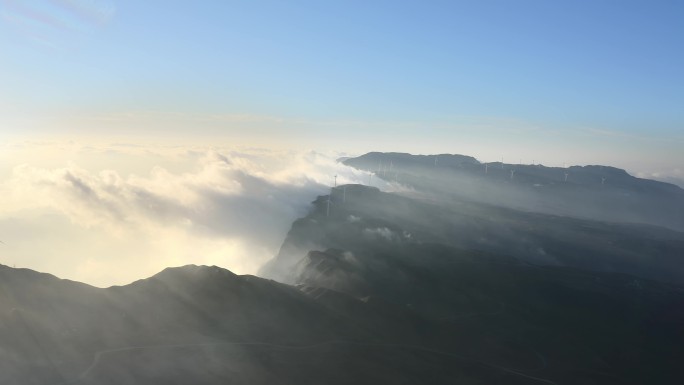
x=192, y=325
x=454, y=318
x=205, y=325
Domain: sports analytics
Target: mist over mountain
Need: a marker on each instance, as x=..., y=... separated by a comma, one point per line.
x=462, y=275
x=593, y=192
x=536, y=216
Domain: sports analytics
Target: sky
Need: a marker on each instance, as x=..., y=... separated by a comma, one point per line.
x=122, y=89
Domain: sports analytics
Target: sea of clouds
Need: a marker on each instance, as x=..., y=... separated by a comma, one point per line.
x=110, y=214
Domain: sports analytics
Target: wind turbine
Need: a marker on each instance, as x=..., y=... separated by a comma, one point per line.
x=335, y=180
x=436, y=156
x=512, y=173
x=566, y=176
x=344, y=194
x=370, y=178
x=603, y=181
x=486, y=166
x=502, y=163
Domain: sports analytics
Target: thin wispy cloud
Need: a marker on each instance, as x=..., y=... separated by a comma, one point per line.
x=674, y=176
x=56, y=23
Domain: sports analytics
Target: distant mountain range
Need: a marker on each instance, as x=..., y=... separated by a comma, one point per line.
x=592, y=192
x=466, y=277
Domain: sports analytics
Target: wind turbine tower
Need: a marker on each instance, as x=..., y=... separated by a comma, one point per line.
x=603, y=181
x=486, y=166
x=512, y=173
x=566, y=176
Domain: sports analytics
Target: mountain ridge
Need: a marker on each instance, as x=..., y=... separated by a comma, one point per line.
x=593, y=192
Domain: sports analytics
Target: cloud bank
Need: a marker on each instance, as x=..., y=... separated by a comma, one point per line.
x=206, y=206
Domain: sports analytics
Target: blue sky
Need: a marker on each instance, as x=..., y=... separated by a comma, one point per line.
x=527, y=73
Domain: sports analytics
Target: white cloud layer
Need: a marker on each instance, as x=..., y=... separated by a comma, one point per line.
x=205, y=206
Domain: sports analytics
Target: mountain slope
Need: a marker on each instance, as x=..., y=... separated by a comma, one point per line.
x=368, y=219
x=205, y=325
x=502, y=284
